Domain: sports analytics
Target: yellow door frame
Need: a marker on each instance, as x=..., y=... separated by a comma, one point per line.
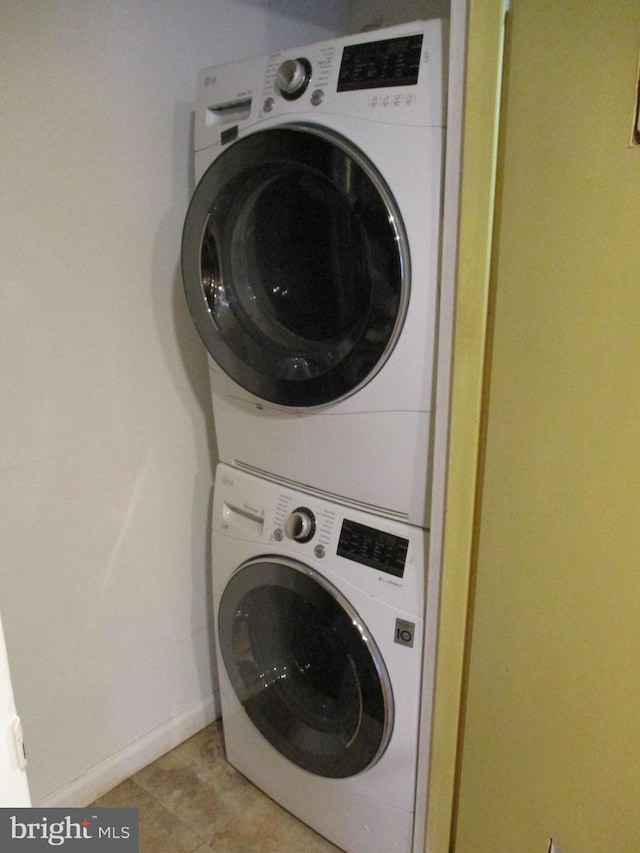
x=483, y=52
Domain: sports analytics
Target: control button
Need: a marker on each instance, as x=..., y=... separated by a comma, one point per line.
x=278, y=534
x=268, y=104
x=301, y=525
x=317, y=97
x=320, y=551
x=292, y=77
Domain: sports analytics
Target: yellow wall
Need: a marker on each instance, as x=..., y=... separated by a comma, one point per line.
x=552, y=727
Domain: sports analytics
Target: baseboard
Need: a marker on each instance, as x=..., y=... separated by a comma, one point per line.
x=115, y=769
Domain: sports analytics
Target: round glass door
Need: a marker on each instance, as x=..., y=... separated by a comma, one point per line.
x=295, y=265
x=305, y=668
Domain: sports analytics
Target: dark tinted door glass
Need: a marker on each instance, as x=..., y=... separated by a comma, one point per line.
x=295, y=266
x=304, y=668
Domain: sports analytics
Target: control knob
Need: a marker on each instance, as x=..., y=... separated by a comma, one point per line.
x=301, y=525
x=292, y=77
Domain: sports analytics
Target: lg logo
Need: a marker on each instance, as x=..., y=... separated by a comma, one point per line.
x=404, y=633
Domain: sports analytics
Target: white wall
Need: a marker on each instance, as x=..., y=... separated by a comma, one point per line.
x=105, y=430
x=106, y=438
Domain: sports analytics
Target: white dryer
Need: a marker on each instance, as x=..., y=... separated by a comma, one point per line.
x=310, y=261
x=319, y=628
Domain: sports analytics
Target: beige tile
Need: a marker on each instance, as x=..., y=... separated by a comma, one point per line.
x=119, y=797
x=205, y=793
x=204, y=755
x=268, y=828
x=192, y=801
x=160, y=831
x=199, y=806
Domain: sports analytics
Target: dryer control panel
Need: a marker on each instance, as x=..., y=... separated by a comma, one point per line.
x=394, y=76
x=378, y=64
x=358, y=76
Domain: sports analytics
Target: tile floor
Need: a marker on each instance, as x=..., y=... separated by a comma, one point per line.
x=192, y=801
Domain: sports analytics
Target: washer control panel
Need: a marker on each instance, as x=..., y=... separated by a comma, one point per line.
x=369, y=546
x=373, y=548
x=382, y=557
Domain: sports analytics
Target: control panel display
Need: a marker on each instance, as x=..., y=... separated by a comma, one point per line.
x=373, y=548
x=378, y=64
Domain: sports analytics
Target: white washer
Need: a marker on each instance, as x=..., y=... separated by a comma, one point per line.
x=310, y=261
x=319, y=626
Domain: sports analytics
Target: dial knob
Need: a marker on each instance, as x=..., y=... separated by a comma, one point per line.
x=292, y=77
x=301, y=525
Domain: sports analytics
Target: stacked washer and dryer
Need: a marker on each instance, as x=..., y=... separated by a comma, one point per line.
x=310, y=263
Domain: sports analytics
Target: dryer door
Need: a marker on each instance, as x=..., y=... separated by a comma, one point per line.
x=295, y=265
x=304, y=667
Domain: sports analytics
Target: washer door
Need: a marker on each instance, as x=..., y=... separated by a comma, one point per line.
x=295, y=265
x=304, y=667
